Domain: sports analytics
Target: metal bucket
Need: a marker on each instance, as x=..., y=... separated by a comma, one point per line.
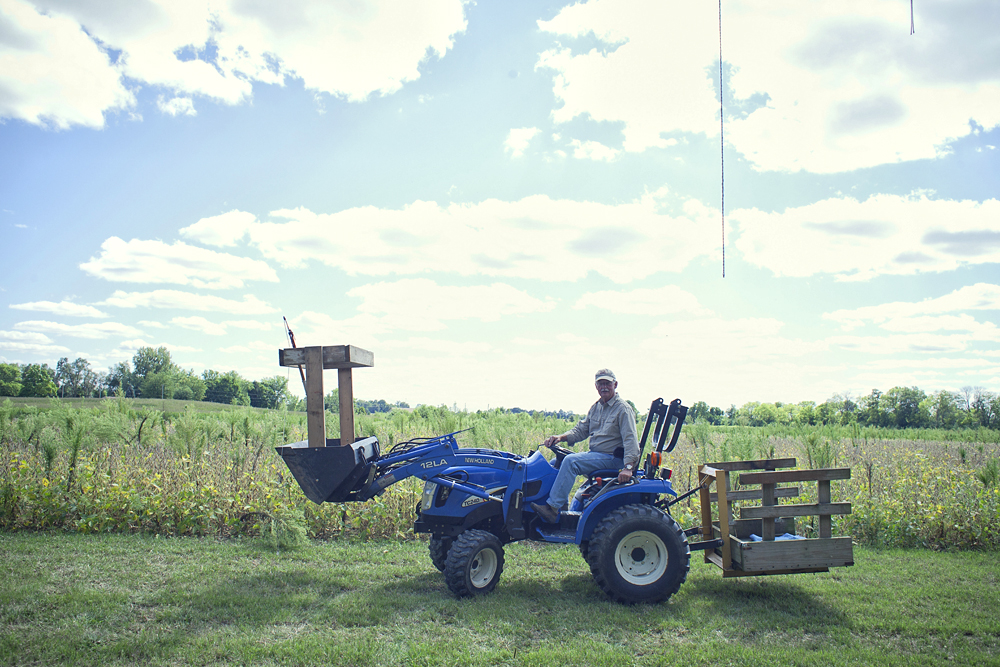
x=332, y=473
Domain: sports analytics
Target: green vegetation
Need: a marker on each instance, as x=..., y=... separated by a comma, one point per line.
x=122, y=465
x=151, y=374
x=900, y=407
x=116, y=600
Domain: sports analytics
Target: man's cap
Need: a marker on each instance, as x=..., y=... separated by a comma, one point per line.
x=605, y=374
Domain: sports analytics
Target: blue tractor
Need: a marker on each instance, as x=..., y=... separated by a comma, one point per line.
x=476, y=500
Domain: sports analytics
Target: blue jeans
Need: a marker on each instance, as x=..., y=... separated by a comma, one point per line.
x=580, y=463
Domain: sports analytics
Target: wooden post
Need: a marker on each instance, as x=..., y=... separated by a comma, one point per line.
x=767, y=500
x=825, y=520
x=315, y=359
x=721, y=486
x=314, y=396
x=345, y=390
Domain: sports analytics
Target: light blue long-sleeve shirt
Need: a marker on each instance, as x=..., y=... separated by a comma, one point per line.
x=609, y=426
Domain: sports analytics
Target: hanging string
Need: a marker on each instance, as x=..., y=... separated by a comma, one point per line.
x=722, y=146
x=912, y=30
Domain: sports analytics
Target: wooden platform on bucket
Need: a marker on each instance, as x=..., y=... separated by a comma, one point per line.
x=740, y=556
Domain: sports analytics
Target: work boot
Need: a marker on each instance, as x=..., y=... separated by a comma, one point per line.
x=548, y=513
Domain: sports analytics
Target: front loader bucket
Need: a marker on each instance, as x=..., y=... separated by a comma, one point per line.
x=330, y=474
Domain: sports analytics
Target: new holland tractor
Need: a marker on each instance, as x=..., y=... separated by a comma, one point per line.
x=475, y=501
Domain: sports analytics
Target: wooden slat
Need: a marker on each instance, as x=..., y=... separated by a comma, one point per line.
x=315, y=413
x=727, y=574
x=777, y=511
x=757, y=494
x=782, y=476
x=334, y=356
x=345, y=391
x=795, y=554
x=761, y=464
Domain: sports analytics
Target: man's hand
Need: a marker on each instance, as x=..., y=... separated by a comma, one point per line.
x=553, y=439
x=624, y=476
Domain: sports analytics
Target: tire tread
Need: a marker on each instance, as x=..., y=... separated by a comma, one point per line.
x=600, y=542
x=466, y=546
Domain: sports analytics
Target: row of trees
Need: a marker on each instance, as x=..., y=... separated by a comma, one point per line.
x=900, y=407
x=150, y=374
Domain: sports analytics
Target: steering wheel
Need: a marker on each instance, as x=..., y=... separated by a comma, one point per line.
x=560, y=452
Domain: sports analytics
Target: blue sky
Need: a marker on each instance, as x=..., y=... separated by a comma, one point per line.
x=498, y=199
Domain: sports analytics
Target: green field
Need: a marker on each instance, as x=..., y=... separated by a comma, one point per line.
x=110, y=600
x=125, y=466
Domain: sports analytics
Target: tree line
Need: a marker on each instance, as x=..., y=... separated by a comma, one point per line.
x=900, y=407
x=151, y=373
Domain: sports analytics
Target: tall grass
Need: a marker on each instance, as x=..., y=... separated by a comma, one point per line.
x=121, y=466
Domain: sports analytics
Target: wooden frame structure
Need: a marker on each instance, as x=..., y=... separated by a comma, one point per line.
x=315, y=359
x=739, y=556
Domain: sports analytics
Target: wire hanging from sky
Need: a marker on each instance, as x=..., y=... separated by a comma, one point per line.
x=722, y=147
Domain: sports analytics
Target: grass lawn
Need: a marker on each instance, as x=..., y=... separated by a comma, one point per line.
x=71, y=599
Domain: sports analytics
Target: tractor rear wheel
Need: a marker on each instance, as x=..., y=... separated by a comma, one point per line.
x=474, y=563
x=439, y=546
x=638, y=553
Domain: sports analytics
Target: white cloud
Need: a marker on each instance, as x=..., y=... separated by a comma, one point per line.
x=981, y=296
x=31, y=337
x=150, y=324
x=127, y=347
x=422, y=305
x=518, y=140
x=67, y=308
x=54, y=71
x=883, y=235
x=162, y=298
x=939, y=363
x=823, y=87
x=139, y=261
x=32, y=348
x=220, y=230
x=902, y=343
x=593, y=150
x=198, y=323
x=931, y=323
x=258, y=346
x=249, y=324
x=732, y=341
x=533, y=238
x=529, y=342
x=89, y=330
x=176, y=106
x=645, y=301
x=415, y=304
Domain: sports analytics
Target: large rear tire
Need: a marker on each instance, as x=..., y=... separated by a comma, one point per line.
x=474, y=563
x=439, y=547
x=638, y=554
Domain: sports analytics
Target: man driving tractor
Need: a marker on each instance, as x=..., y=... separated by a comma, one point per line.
x=610, y=425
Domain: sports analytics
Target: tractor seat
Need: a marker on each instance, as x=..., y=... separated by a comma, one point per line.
x=606, y=473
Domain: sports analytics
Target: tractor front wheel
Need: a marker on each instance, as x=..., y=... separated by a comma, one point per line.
x=439, y=547
x=474, y=563
x=638, y=554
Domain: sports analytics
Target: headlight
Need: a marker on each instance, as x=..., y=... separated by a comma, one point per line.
x=427, y=499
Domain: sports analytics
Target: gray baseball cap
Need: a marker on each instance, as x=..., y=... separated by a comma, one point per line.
x=605, y=374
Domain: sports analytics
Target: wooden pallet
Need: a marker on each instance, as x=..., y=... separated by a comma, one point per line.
x=739, y=556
